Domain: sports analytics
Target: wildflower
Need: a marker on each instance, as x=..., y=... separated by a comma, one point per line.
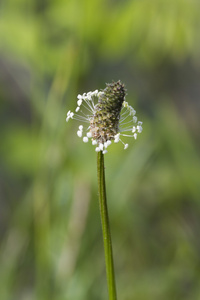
x=108, y=120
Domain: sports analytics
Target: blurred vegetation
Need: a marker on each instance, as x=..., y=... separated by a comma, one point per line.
x=51, y=243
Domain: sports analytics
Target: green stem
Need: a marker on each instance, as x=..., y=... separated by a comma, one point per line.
x=106, y=227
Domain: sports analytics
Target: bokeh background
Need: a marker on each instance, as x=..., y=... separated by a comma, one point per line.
x=51, y=243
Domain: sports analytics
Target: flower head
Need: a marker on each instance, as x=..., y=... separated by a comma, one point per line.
x=107, y=120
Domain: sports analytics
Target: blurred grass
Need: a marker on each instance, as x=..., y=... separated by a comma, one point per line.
x=51, y=245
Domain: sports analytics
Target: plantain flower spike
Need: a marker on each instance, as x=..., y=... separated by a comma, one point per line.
x=110, y=119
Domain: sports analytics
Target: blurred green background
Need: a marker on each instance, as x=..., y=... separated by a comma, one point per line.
x=51, y=242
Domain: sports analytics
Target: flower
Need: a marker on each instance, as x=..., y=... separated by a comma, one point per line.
x=108, y=120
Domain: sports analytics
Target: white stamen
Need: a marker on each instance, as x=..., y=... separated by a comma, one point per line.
x=105, y=151
x=132, y=111
x=89, y=96
x=94, y=142
x=85, y=139
x=79, y=133
x=101, y=146
x=134, y=119
x=77, y=109
x=116, y=138
x=139, y=128
x=97, y=149
x=79, y=102
x=95, y=93
x=69, y=115
x=89, y=135
x=135, y=136
x=81, y=127
x=125, y=104
x=134, y=129
x=125, y=146
x=99, y=94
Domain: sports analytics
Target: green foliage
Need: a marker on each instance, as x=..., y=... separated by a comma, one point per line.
x=51, y=245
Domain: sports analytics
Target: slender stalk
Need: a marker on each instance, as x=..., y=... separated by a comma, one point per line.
x=106, y=227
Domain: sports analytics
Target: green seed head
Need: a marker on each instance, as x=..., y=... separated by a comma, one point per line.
x=104, y=124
